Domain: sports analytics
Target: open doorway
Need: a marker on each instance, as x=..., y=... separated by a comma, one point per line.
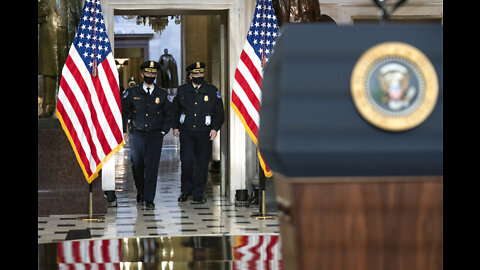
x=189, y=36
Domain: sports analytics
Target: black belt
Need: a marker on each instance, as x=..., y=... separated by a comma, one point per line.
x=146, y=130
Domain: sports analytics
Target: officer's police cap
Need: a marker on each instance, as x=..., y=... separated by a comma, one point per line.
x=132, y=79
x=197, y=67
x=149, y=66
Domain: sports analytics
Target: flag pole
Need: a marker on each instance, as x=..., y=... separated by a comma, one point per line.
x=90, y=201
x=262, y=208
x=91, y=217
x=261, y=173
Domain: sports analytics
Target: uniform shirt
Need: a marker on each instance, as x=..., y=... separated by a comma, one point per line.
x=197, y=105
x=147, y=112
x=147, y=90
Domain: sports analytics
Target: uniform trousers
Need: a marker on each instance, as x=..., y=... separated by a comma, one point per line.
x=195, y=148
x=146, y=149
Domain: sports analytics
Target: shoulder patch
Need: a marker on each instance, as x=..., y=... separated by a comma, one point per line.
x=219, y=95
x=125, y=93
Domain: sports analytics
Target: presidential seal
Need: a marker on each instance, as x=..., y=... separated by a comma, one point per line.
x=394, y=86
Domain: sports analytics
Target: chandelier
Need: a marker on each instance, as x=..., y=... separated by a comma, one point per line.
x=158, y=23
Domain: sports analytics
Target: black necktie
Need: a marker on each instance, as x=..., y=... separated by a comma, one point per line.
x=148, y=89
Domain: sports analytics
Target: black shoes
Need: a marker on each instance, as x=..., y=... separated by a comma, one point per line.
x=149, y=206
x=183, y=197
x=140, y=199
x=111, y=198
x=199, y=199
x=112, y=203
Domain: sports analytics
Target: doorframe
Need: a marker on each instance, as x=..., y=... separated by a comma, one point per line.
x=239, y=15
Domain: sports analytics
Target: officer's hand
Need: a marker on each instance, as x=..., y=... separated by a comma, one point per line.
x=176, y=132
x=213, y=134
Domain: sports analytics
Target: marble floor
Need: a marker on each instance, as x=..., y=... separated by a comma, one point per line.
x=170, y=218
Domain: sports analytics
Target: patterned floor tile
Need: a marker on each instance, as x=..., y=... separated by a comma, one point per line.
x=169, y=218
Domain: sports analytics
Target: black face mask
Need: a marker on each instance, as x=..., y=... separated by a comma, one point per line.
x=148, y=80
x=198, y=80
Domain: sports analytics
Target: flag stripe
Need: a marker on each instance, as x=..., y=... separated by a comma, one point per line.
x=76, y=255
x=106, y=250
x=248, y=121
x=92, y=253
x=248, y=77
x=273, y=241
x=254, y=83
x=245, y=86
x=61, y=251
x=72, y=133
x=244, y=102
x=111, y=74
x=257, y=63
x=255, y=248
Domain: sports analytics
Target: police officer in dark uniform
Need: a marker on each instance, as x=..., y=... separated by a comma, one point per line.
x=198, y=115
x=149, y=110
x=131, y=82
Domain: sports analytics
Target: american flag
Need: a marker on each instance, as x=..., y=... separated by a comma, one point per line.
x=88, y=102
x=247, y=85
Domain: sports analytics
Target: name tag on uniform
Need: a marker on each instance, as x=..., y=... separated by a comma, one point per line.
x=136, y=98
x=182, y=118
x=208, y=120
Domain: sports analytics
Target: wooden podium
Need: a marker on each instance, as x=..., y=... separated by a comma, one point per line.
x=360, y=223
x=351, y=195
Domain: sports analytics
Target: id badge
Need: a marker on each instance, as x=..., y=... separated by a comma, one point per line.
x=208, y=120
x=182, y=118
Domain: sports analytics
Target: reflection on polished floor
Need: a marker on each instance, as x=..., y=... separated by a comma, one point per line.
x=192, y=230
x=166, y=253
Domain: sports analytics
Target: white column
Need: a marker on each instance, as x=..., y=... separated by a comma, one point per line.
x=108, y=174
